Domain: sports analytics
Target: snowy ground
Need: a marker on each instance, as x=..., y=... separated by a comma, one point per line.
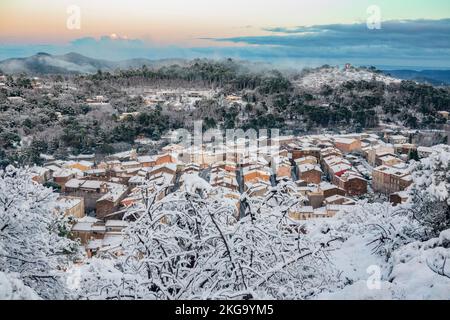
x=335, y=76
x=418, y=270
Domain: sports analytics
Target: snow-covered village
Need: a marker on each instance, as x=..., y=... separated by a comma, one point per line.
x=341, y=204
x=212, y=155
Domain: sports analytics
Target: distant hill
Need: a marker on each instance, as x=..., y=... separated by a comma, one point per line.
x=335, y=76
x=434, y=77
x=72, y=63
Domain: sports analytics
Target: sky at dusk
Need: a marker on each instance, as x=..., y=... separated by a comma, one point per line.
x=413, y=32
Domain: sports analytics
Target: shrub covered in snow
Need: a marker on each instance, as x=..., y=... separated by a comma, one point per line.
x=12, y=288
x=430, y=192
x=33, y=254
x=189, y=247
x=409, y=244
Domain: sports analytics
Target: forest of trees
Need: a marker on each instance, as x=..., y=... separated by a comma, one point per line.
x=57, y=120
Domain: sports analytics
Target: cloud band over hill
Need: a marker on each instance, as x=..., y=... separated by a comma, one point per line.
x=421, y=43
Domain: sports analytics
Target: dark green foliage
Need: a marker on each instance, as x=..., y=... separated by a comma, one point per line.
x=413, y=155
x=54, y=186
x=61, y=122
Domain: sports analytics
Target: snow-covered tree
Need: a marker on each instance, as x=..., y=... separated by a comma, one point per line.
x=190, y=246
x=12, y=288
x=32, y=251
x=430, y=192
x=279, y=199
